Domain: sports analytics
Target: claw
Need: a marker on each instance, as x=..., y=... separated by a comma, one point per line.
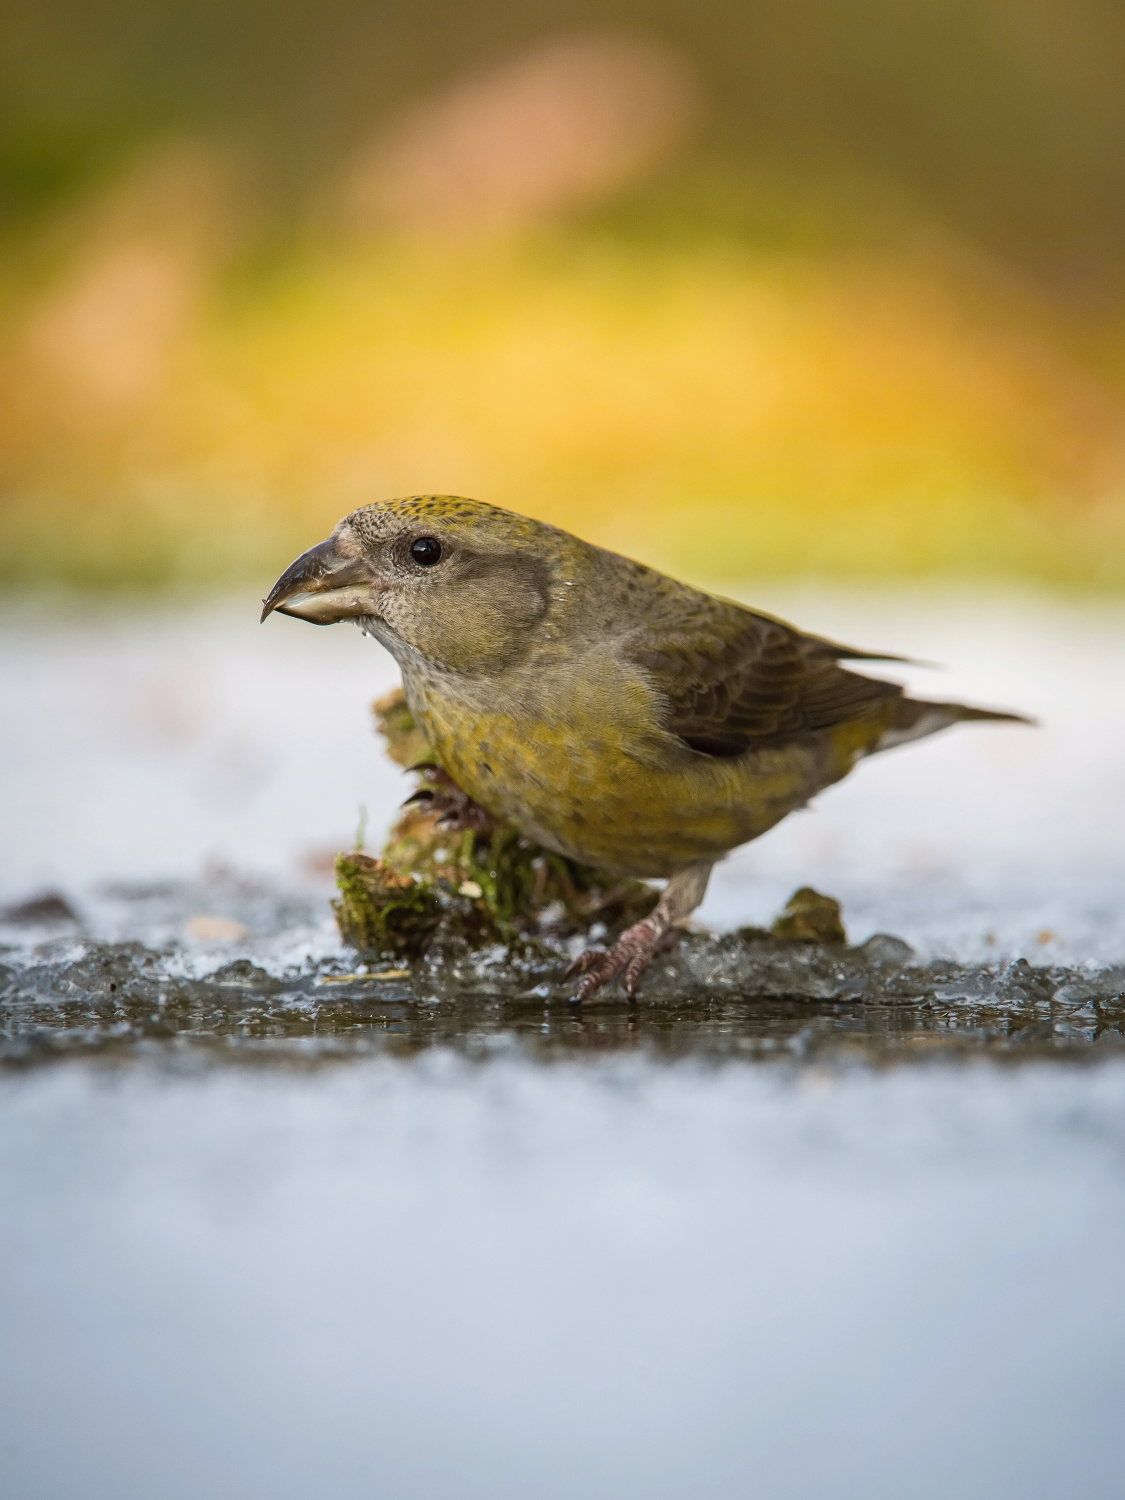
x=423, y=794
x=456, y=811
x=632, y=953
x=634, y=949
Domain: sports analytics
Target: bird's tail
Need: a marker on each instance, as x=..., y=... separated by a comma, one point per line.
x=914, y=719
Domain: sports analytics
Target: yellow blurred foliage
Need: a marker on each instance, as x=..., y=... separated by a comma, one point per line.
x=710, y=408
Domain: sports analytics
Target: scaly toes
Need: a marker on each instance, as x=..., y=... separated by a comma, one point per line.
x=632, y=952
x=599, y=965
x=631, y=979
x=639, y=944
x=585, y=960
x=597, y=977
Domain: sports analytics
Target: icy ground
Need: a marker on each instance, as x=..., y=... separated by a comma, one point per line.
x=429, y=1235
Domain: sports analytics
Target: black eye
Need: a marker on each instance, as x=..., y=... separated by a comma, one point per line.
x=426, y=551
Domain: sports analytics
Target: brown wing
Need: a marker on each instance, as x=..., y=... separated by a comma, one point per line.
x=733, y=679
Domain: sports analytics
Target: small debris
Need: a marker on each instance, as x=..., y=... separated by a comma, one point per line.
x=208, y=929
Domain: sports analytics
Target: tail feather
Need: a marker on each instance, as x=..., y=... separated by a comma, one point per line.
x=914, y=718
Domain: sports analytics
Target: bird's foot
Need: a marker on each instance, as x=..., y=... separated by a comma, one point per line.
x=456, y=811
x=630, y=956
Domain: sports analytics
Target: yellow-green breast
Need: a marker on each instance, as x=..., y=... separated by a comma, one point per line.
x=571, y=753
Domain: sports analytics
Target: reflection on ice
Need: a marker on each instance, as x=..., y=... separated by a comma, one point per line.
x=434, y=1278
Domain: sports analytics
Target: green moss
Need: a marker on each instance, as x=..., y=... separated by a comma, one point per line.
x=380, y=911
x=523, y=885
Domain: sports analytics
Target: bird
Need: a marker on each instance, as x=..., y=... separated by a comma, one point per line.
x=605, y=710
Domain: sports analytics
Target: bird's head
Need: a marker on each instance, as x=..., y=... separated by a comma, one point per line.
x=459, y=582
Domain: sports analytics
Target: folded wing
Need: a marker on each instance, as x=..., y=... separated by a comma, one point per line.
x=733, y=679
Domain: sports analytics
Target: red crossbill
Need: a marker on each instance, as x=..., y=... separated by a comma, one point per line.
x=605, y=710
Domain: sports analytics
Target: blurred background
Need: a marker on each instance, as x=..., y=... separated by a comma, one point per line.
x=748, y=290
x=820, y=304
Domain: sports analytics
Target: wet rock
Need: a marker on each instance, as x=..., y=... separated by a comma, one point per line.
x=47, y=908
x=756, y=963
x=244, y=975
x=809, y=917
x=1022, y=984
x=886, y=951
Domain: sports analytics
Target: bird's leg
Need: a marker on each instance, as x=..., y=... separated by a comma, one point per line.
x=456, y=810
x=634, y=949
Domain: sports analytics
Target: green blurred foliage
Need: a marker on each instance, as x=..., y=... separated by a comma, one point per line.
x=1007, y=117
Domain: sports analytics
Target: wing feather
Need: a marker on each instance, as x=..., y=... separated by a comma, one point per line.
x=733, y=679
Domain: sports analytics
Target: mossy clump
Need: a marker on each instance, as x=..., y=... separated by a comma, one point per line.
x=381, y=911
x=809, y=917
x=478, y=887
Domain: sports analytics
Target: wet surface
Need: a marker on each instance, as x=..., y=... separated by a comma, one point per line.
x=735, y=995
